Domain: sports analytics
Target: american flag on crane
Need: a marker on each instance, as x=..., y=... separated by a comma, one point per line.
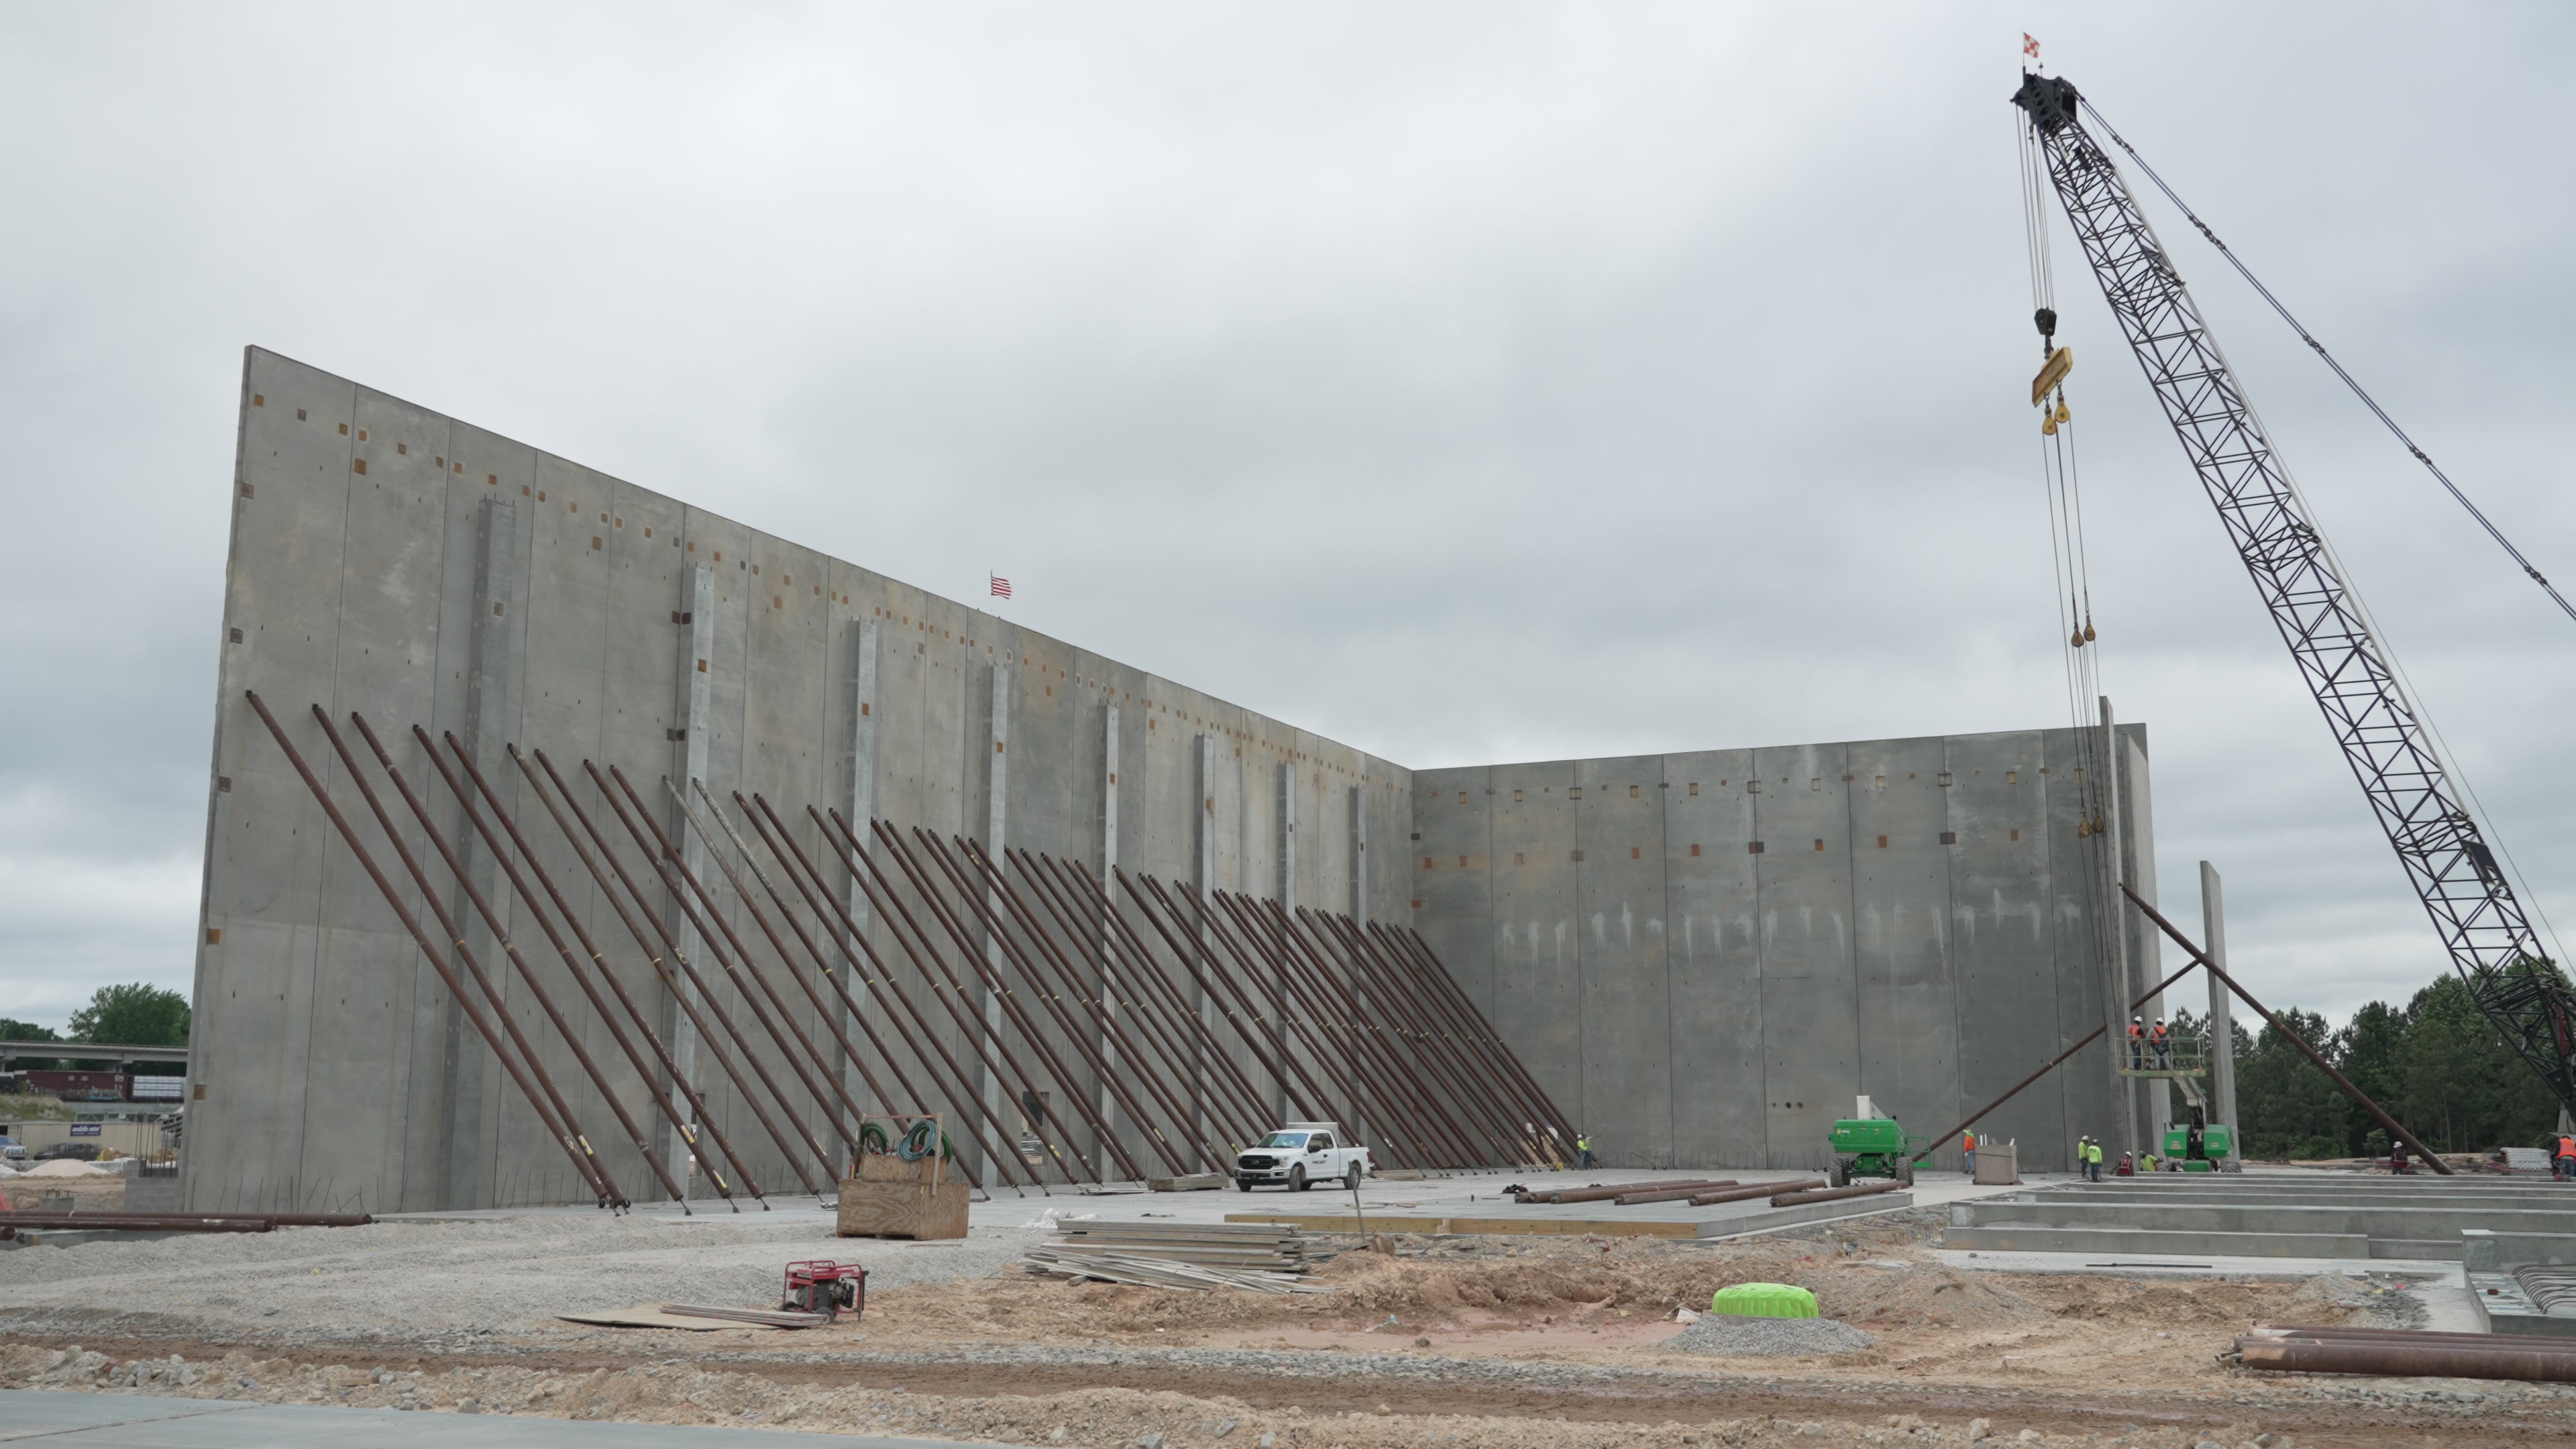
x=1001, y=586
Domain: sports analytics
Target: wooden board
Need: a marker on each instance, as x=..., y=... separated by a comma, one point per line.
x=648, y=1315
x=886, y=1167
x=1195, y=1182
x=901, y=1210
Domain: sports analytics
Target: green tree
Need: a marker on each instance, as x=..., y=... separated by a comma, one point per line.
x=135, y=1014
x=2290, y=1109
x=12, y=1029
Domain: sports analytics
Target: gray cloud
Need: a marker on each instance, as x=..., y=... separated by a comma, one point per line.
x=1467, y=382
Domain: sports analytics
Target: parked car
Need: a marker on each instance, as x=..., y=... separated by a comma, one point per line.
x=76, y=1151
x=1300, y=1155
x=12, y=1149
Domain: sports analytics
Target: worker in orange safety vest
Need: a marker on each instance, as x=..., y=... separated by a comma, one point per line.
x=2160, y=1042
x=2137, y=1043
x=1968, y=1145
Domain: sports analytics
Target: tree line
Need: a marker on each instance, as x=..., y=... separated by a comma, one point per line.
x=2437, y=1064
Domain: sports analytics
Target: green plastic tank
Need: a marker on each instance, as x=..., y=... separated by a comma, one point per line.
x=1763, y=1300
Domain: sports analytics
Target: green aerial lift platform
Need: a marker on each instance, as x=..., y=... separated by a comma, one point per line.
x=1870, y=1146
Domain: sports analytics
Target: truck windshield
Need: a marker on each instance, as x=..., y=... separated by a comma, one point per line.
x=1284, y=1139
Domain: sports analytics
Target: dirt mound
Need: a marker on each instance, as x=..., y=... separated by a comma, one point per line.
x=1924, y=1296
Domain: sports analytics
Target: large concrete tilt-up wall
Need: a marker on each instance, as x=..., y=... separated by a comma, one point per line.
x=1701, y=972
x=396, y=562
x=1707, y=957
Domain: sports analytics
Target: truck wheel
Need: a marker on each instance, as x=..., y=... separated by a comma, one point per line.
x=1351, y=1177
x=1297, y=1178
x=1243, y=1184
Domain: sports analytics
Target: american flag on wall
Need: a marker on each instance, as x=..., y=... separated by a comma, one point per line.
x=1001, y=586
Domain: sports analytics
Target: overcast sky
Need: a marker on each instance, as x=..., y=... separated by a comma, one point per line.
x=1466, y=382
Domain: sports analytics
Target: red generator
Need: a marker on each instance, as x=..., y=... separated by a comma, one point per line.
x=823, y=1286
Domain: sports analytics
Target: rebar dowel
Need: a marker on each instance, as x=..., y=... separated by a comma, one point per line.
x=430, y=949
x=943, y=983
x=773, y=833
x=1444, y=993
x=1445, y=988
x=1338, y=1068
x=1062, y=974
x=840, y=986
x=509, y=948
x=1490, y=1084
x=693, y=997
x=1142, y=1017
x=992, y=1052
x=1402, y=1034
x=1476, y=1094
x=923, y=953
x=1279, y=1061
x=1043, y=986
x=597, y=1176
x=589, y=952
x=840, y=1089
x=1301, y=1095
x=1233, y=1095
x=1315, y=999
x=1374, y=1037
x=718, y=934
x=990, y=979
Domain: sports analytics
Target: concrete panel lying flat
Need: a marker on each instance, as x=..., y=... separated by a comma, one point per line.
x=1549, y=1220
x=2116, y=1242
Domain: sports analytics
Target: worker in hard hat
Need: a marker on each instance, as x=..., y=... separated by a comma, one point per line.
x=2137, y=1044
x=1968, y=1145
x=2160, y=1043
x=1583, y=1151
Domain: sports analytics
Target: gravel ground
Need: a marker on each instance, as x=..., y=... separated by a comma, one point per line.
x=421, y=1280
x=1737, y=1337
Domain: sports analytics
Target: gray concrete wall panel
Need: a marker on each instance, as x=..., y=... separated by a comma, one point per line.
x=1810, y=1006
x=1531, y=950
x=1620, y=927
x=1713, y=944
x=1903, y=845
x=1684, y=998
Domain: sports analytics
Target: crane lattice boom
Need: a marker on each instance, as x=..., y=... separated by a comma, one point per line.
x=2474, y=910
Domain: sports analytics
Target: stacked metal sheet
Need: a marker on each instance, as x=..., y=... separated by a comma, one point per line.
x=1253, y=1256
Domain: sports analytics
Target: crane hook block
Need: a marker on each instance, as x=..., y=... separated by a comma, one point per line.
x=2051, y=373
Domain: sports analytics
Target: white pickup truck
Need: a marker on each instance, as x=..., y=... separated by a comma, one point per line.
x=1300, y=1155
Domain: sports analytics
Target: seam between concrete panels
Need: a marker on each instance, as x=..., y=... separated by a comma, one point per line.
x=1672, y=1073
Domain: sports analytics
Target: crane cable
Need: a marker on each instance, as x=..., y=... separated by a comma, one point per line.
x=2070, y=567
x=2069, y=559
x=2328, y=358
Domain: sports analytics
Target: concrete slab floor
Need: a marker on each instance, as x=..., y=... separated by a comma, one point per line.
x=132, y=1421
x=1478, y=1194
x=2171, y=1265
